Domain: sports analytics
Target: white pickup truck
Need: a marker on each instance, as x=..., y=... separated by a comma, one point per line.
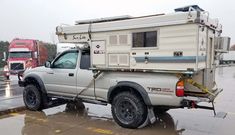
x=131, y=94
x=161, y=62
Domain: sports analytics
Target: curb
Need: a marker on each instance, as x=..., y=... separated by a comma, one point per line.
x=12, y=110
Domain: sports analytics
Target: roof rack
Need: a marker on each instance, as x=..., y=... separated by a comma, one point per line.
x=106, y=19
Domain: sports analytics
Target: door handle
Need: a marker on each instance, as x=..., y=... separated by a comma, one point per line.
x=71, y=74
x=50, y=72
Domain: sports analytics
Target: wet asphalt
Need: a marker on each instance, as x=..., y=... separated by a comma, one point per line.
x=10, y=94
x=97, y=119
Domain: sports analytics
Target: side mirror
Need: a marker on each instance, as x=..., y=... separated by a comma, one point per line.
x=47, y=64
x=4, y=56
x=35, y=55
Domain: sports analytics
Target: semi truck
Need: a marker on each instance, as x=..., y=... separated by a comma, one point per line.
x=21, y=51
x=142, y=66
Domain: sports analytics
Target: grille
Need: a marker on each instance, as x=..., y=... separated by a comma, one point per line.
x=17, y=66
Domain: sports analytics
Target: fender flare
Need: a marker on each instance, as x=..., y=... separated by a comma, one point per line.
x=39, y=81
x=133, y=85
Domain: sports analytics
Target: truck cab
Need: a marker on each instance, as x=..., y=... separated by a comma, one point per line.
x=74, y=66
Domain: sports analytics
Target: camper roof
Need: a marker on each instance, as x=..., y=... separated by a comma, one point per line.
x=106, y=19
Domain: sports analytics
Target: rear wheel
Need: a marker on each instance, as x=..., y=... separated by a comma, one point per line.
x=129, y=110
x=159, y=110
x=32, y=98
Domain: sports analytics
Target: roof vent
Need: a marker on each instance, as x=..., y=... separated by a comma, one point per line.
x=188, y=8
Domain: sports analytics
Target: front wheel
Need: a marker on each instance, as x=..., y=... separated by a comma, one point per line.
x=129, y=110
x=32, y=98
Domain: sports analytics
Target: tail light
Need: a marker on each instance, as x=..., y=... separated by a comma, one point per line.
x=179, y=88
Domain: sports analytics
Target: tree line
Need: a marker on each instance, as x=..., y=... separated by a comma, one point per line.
x=51, y=48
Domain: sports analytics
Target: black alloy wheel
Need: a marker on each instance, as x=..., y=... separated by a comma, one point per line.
x=129, y=110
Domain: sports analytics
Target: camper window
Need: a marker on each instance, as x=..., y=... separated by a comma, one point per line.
x=144, y=39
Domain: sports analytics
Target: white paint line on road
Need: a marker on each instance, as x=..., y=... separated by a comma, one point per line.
x=13, y=97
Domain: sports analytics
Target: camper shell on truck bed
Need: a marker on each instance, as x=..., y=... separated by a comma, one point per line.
x=179, y=41
x=187, y=42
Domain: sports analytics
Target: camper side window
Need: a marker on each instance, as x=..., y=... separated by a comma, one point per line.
x=144, y=39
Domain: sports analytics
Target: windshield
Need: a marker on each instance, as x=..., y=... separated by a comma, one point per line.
x=20, y=55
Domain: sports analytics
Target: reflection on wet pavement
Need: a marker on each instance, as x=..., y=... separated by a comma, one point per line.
x=79, y=121
x=92, y=119
x=9, y=88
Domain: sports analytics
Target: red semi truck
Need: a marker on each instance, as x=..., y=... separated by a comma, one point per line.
x=22, y=51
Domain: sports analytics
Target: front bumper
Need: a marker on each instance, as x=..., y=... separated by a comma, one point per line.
x=21, y=83
x=14, y=72
x=6, y=73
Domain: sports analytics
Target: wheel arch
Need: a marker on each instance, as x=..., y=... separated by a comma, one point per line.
x=128, y=86
x=35, y=79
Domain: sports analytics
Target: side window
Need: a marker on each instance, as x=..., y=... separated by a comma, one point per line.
x=144, y=39
x=66, y=61
x=85, y=60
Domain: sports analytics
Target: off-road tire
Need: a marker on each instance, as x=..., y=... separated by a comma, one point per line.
x=129, y=110
x=165, y=121
x=32, y=98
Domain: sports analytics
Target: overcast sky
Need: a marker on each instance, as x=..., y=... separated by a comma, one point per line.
x=37, y=19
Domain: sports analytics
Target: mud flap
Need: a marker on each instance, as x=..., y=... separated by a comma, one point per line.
x=150, y=118
x=221, y=115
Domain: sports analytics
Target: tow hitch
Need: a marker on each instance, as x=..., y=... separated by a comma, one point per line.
x=193, y=104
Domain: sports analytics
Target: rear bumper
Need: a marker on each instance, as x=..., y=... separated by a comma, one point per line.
x=189, y=100
x=203, y=97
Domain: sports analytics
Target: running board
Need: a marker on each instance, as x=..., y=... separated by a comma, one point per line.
x=94, y=101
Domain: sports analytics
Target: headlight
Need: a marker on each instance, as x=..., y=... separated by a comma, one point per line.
x=5, y=68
